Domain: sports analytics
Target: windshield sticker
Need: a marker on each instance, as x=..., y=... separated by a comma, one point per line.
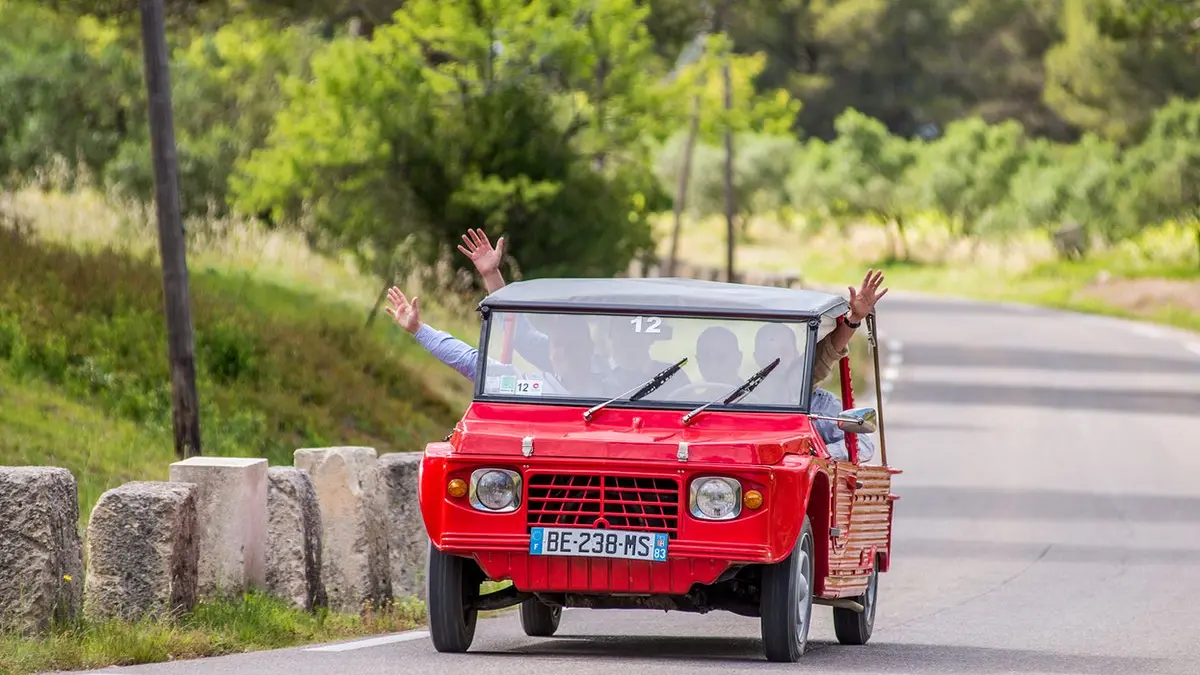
x=508, y=384
x=529, y=387
x=646, y=324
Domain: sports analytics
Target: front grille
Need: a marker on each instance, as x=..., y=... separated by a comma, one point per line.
x=622, y=502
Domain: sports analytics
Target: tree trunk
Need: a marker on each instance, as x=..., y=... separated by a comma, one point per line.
x=903, y=239
x=685, y=173
x=378, y=303
x=730, y=207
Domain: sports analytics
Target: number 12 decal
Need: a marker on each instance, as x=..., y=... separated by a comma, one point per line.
x=649, y=324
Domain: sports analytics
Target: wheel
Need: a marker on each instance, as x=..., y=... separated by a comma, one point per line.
x=786, y=601
x=854, y=628
x=539, y=619
x=453, y=588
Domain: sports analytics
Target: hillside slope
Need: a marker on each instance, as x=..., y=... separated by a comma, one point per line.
x=84, y=382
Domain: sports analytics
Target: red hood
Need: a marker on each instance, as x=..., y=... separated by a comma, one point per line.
x=614, y=433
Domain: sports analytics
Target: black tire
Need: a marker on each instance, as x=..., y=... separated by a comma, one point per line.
x=786, y=601
x=453, y=587
x=854, y=628
x=539, y=619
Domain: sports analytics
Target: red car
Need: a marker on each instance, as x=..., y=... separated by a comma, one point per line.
x=648, y=443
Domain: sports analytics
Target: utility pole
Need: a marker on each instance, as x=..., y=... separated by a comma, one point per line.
x=730, y=207
x=185, y=403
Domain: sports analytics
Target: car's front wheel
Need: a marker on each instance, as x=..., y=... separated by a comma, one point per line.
x=787, y=599
x=539, y=619
x=453, y=588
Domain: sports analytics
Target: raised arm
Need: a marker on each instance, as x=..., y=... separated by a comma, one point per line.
x=529, y=342
x=836, y=344
x=448, y=349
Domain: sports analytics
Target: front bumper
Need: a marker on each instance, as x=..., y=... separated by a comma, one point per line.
x=699, y=551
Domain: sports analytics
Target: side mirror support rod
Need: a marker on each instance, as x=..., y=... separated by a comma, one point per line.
x=873, y=337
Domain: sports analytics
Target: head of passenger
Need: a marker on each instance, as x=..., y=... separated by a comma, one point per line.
x=571, y=351
x=718, y=355
x=775, y=341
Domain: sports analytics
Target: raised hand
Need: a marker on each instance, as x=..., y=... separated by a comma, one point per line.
x=406, y=314
x=861, y=303
x=480, y=251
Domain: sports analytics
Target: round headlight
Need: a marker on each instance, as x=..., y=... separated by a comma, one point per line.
x=496, y=490
x=716, y=498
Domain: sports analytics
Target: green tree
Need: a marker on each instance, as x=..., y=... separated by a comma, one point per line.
x=225, y=94
x=862, y=174
x=1111, y=82
x=456, y=116
x=966, y=173
x=1161, y=178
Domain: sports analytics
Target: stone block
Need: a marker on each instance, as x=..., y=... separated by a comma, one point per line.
x=143, y=552
x=41, y=555
x=231, y=508
x=294, y=538
x=354, y=559
x=408, y=543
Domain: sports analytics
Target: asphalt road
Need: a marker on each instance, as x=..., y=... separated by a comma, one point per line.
x=1049, y=522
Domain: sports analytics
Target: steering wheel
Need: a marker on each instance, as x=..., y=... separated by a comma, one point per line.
x=702, y=386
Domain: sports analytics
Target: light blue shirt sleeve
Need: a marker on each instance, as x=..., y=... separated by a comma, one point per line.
x=449, y=350
x=825, y=403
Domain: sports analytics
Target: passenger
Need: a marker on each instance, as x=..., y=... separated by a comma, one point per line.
x=531, y=343
x=829, y=404
x=568, y=350
x=719, y=357
x=836, y=344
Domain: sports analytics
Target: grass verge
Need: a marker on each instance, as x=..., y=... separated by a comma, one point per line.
x=253, y=622
x=86, y=383
x=1154, y=277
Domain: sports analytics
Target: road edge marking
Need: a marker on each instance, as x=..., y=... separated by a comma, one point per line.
x=371, y=642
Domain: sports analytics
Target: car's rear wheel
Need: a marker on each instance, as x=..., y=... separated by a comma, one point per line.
x=787, y=599
x=452, y=591
x=854, y=628
x=539, y=619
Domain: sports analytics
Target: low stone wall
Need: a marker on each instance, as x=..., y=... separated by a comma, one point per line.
x=41, y=557
x=342, y=528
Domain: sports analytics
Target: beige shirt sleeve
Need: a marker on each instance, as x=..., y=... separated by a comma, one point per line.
x=826, y=360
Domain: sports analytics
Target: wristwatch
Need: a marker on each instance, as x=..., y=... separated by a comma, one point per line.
x=848, y=322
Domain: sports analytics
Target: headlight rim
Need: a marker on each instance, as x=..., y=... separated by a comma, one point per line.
x=693, y=494
x=473, y=487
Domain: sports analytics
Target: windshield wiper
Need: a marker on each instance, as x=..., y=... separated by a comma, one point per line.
x=644, y=389
x=737, y=394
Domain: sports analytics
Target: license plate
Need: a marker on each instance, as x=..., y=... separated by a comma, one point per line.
x=598, y=543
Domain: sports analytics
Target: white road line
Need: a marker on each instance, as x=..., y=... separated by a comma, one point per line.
x=1147, y=331
x=372, y=642
x=1193, y=347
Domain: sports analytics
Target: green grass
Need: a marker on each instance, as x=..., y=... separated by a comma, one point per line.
x=82, y=350
x=254, y=622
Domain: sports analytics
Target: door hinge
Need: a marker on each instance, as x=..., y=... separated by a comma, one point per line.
x=835, y=532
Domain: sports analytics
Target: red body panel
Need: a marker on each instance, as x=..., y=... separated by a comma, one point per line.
x=781, y=455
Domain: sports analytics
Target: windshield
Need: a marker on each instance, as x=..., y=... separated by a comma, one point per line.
x=596, y=357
